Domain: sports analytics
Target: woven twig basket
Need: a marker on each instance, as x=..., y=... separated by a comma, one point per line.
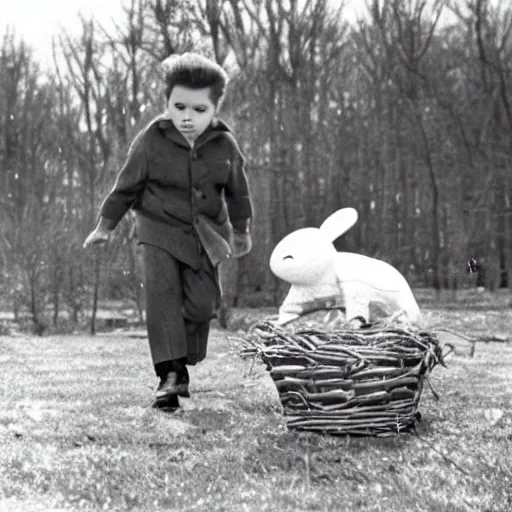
x=364, y=381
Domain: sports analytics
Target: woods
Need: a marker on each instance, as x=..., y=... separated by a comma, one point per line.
x=404, y=114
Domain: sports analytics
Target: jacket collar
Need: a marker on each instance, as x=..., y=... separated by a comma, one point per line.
x=216, y=127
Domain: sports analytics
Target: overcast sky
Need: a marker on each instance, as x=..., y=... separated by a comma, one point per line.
x=36, y=21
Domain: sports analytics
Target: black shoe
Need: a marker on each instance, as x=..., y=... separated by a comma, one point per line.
x=167, y=386
x=182, y=383
x=169, y=403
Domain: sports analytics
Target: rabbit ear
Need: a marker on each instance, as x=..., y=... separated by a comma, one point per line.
x=338, y=223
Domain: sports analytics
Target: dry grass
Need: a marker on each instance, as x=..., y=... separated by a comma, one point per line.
x=77, y=433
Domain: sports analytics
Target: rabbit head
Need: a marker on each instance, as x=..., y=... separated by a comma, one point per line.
x=304, y=256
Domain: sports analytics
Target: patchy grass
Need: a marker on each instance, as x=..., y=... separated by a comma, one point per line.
x=77, y=433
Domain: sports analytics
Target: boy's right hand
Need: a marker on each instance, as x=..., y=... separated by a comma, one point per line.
x=98, y=236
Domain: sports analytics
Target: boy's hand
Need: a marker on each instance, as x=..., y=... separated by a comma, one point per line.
x=242, y=244
x=98, y=236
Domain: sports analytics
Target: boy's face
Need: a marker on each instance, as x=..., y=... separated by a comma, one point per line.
x=191, y=110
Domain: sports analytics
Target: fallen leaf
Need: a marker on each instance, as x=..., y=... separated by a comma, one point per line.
x=493, y=416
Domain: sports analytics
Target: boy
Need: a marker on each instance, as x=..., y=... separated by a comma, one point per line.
x=184, y=177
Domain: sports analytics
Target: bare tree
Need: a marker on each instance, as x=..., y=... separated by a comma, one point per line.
x=83, y=59
x=30, y=184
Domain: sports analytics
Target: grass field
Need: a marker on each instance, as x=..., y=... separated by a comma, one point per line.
x=77, y=433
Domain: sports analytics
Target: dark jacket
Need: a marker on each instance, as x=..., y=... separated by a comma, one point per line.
x=184, y=198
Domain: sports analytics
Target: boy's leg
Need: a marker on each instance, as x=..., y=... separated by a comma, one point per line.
x=164, y=302
x=201, y=300
x=197, y=340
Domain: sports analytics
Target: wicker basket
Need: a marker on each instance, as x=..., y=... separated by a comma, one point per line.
x=364, y=381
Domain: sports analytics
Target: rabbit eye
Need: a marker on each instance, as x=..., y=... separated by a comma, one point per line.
x=288, y=257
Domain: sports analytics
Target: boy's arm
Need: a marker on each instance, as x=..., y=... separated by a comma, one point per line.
x=239, y=205
x=129, y=184
x=238, y=197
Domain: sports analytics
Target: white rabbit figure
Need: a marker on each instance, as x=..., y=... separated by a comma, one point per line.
x=366, y=287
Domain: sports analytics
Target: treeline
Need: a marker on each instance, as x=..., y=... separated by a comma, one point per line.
x=404, y=114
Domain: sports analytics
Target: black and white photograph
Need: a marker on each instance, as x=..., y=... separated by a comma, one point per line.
x=256, y=255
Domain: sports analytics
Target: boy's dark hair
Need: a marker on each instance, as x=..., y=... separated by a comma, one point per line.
x=196, y=72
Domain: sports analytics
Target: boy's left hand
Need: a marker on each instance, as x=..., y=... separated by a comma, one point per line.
x=242, y=244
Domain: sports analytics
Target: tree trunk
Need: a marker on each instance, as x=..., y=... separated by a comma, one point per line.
x=95, y=296
x=56, y=306
x=39, y=326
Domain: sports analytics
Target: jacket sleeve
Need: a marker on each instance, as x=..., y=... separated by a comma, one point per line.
x=238, y=197
x=129, y=185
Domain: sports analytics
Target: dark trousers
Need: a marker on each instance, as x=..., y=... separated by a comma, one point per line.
x=180, y=302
